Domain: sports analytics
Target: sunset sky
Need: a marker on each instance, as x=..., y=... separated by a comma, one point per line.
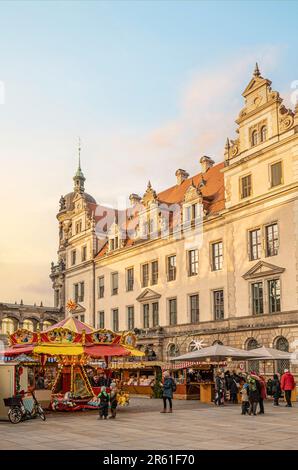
x=149, y=86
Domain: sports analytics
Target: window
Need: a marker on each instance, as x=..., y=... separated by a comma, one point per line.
x=8, y=326
x=155, y=314
x=252, y=365
x=154, y=272
x=254, y=138
x=114, y=283
x=257, y=298
x=114, y=243
x=191, y=212
x=217, y=256
x=171, y=268
x=146, y=315
x=101, y=287
x=173, y=350
x=115, y=315
x=245, y=186
x=263, y=134
x=255, y=246
x=84, y=253
x=282, y=344
x=28, y=325
x=73, y=257
x=129, y=279
x=193, y=262
x=79, y=292
x=218, y=304
x=78, y=226
x=145, y=275
x=173, y=311
x=276, y=174
x=274, y=295
x=272, y=240
x=101, y=319
x=130, y=317
x=82, y=318
x=194, y=308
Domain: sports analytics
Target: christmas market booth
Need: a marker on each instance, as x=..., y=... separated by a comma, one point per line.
x=200, y=366
x=139, y=377
x=67, y=348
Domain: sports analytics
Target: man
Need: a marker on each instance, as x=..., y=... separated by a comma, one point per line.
x=287, y=385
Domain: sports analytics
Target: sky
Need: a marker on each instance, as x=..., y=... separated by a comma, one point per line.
x=149, y=86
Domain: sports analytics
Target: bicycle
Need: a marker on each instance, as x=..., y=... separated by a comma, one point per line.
x=18, y=412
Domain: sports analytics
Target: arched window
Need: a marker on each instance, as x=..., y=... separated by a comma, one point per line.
x=263, y=134
x=192, y=346
x=173, y=350
x=282, y=344
x=217, y=342
x=254, y=138
x=252, y=365
x=46, y=324
x=28, y=325
x=8, y=326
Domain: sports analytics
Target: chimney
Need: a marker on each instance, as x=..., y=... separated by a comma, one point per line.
x=181, y=176
x=134, y=199
x=206, y=163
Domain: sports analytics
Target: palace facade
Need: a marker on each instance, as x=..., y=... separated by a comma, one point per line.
x=214, y=258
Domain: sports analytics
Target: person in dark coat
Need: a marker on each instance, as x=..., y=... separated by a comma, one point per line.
x=234, y=387
x=254, y=393
x=169, y=387
x=104, y=403
x=219, y=389
x=113, y=400
x=276, y=389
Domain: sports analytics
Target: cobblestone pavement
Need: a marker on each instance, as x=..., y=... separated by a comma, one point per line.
x=140, y=426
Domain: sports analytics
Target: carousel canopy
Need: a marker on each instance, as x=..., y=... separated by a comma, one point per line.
x=217, y=353
x=72, y=324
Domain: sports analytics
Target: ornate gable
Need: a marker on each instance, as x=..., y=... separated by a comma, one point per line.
x=148, y=294
x=149, y=196
x=262, y=269
x=192, y=193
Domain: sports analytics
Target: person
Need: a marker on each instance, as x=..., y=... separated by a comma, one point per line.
x=263, y=393
x=113, y=400
x=244, y=398
x=234, y=386
x=219, y=389
x=275, y=389
x=253, y=394
x=104, y=399
x=287, y=385
x=169, y=387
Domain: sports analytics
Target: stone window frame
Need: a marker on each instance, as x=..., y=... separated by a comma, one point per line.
x=129, y=288
x=264, y=280
x=257, y=127
x=211, y=244
x=270, y=186
x=264, y=233
x=189, y=306
x=248, y=238
x=128, y=307
x=241, y=178
x=213, y=304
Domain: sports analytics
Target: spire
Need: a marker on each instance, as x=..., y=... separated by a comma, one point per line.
x=79, y=177
x=257, y=72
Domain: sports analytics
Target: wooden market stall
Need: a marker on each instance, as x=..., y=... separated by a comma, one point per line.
x=139, y=377
x=194, y=381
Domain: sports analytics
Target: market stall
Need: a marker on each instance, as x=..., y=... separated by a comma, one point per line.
x=138, y=378
x=215, y=355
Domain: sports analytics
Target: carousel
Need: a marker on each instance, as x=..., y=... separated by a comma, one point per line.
x=73, y=359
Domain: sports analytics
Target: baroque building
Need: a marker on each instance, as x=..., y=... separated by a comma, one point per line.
x=214, y=258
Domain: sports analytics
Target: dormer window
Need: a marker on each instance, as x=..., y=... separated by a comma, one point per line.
x=254, y=138
x=114, y=243
x=263, y=134
x=191, y=212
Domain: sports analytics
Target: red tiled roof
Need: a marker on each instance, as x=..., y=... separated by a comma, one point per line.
x=212, y=192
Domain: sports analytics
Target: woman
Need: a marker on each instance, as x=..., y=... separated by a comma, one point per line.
x=253, y=394
x=113, y=400
x=219, y=389
x=169, y=387
x=276, y=389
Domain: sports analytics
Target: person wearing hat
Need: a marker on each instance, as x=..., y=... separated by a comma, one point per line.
x=287, y=385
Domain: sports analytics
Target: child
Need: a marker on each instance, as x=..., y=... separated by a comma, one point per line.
x=244, y=398
x=113, y=400
x=104, y=403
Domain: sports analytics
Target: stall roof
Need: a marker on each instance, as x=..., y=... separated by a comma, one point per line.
x=218, y=353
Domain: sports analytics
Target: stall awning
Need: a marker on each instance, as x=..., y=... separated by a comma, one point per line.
x=17, y=350
x=134, y=352
x=59, y=350
x=106, y=350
